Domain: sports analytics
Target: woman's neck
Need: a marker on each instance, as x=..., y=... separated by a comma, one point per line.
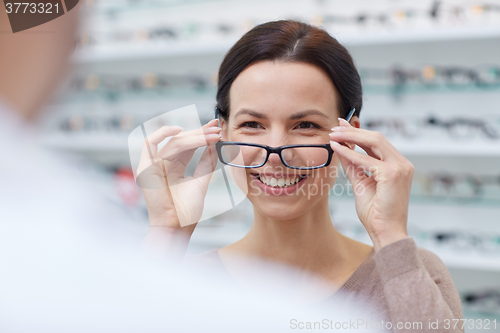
x=308, y=241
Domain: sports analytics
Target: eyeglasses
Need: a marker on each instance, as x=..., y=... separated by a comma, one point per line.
x=457, y=186
x=456, y=128
x=431, y=77
x=148, y=81
x=251, y=155
x=486, y=301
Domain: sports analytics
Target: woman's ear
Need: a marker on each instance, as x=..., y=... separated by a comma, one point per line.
x=355, y=122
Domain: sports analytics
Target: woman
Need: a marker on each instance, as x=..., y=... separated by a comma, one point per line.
x=287, y=83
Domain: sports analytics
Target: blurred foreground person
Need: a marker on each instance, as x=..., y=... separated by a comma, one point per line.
x=55, y=273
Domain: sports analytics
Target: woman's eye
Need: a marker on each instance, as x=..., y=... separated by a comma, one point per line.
x=250, y=124
x=307, y=125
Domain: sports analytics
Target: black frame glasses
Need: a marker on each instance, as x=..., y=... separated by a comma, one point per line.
x=276, y=150
x=272, y=150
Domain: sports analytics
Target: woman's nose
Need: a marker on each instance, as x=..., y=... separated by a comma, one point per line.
x=274, y=159
x=276, y=139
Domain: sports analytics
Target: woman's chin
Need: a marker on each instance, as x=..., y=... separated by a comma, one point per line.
x=280, y=210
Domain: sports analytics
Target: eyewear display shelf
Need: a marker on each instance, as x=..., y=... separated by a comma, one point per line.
x=201, y=48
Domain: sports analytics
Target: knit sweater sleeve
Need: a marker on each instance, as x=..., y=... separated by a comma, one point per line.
x=418, y=289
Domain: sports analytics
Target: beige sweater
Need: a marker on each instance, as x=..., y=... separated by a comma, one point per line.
x=401, y=283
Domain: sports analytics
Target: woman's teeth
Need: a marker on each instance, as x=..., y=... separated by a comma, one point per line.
x=280, y=182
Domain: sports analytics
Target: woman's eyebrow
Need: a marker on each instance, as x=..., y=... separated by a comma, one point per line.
x=251, y=113
x=306, y=113
x=295, y=116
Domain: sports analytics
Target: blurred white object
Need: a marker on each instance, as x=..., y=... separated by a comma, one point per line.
x=69, y=262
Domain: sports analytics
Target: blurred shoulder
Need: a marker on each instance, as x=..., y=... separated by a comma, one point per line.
x=432, y=263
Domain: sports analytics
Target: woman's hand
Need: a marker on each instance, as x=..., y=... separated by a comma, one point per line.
x=173, y=200
x=381, y=198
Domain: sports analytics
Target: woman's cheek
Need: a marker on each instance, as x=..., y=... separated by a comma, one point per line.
x=239, y=177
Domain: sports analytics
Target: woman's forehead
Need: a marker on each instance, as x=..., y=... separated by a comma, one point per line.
x=273, y=86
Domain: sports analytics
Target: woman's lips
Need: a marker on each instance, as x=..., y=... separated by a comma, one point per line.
x=278, y=191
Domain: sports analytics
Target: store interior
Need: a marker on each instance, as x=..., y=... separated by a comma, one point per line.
x=431, y=79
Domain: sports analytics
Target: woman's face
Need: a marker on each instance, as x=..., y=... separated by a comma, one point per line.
x=277, y=104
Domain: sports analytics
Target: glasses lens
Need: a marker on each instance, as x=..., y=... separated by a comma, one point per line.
x=305, y=157
x=243, y=156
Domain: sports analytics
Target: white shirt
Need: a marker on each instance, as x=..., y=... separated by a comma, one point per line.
x=64, y=269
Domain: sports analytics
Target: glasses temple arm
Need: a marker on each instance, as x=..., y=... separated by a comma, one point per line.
x=349, y=116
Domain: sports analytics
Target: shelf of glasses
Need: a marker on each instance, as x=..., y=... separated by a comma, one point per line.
x=143, y=51
x=126, y=6
x=444, y=88
x=87, y=142
x=477, y=314
x=465, y=259
x=441, y=201
x=424, y=34
x=147, y=94
x=458, y=259
x=467, y=148
x=452, y=258
x=201, y=47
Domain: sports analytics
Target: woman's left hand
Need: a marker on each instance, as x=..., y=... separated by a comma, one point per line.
x=381, y=198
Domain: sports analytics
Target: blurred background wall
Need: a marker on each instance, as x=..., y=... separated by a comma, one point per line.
x=431, y=75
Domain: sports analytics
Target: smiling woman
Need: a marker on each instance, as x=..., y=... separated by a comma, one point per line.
x=285, y=89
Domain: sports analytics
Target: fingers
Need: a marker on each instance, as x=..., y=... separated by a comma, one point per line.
x=383, y=159
x=212, y=123
x=356, y=174
x=161, y=134
x=189, y=140
x=374, y=143
x=180, y=145
x=149, y=151
x=179, y=149
x=352, y=159
x=208, y=161
x=206, y=166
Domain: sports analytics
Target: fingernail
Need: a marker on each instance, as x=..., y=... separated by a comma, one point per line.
x=213, y=129
x=212, y=136
x=337, y=128
x=335, y=143
x=344, y=122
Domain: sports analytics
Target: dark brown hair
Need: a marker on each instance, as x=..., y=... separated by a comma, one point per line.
x=293, y=41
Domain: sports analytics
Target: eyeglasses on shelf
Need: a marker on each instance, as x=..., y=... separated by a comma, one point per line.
x=456, y=127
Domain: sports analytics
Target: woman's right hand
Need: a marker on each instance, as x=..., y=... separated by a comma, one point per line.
x=173, y=200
